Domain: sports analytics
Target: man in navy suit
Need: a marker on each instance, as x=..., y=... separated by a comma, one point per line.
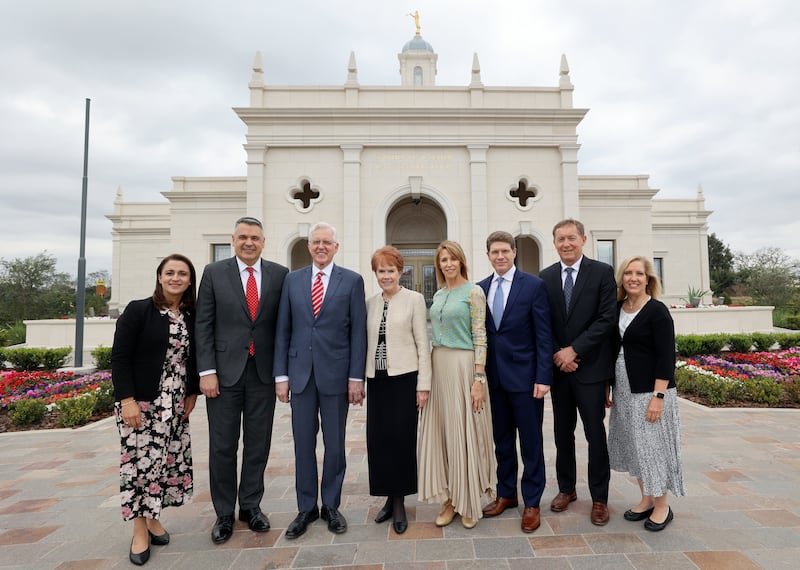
x=320, y=357
x=237, y=308
x=519, y=371
x=583, y=305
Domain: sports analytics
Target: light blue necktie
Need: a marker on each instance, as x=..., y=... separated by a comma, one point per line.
x=568, y=285
x=497, y=304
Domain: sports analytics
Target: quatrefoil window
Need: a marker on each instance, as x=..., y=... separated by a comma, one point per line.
x=522, y=193
x=304, y=195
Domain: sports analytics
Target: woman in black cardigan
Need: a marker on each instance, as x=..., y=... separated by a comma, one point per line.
x=644, y=429
x=156, y=385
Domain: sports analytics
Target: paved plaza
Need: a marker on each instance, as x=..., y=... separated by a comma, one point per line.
x=59, y=508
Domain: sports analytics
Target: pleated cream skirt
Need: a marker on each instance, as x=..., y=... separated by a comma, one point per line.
x=455, y=452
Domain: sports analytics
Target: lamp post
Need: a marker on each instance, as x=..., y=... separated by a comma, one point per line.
x=80, y=301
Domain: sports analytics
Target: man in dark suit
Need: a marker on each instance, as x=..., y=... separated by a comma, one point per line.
x=320, y=357
x=237, y=308
x=582, y=295
x=519, y=370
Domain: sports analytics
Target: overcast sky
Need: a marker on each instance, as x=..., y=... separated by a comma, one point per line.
x=688, y=92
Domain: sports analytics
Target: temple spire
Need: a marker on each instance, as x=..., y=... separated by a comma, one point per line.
x=258, y=71
x=352, y=71
x=476, y=72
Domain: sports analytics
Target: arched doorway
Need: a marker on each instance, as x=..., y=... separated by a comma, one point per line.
x=300, y=256
x=528, y=255
x=416, y=227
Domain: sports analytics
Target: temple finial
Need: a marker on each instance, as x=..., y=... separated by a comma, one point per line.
x=258, y=70
x=352, y=70
x=564, y=81
x=476, y=72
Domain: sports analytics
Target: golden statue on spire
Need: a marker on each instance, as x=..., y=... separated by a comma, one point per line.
x=415, y=15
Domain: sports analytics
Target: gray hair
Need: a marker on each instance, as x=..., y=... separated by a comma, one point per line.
x=248, y=220
x=322, y=226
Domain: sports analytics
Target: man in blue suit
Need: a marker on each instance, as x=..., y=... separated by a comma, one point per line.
x=519, y=371
x=320, y=357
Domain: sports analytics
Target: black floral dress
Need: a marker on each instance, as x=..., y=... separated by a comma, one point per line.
x=156, y=459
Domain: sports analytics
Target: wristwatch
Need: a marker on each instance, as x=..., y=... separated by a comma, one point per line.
x=480, y=377
x=659, y=395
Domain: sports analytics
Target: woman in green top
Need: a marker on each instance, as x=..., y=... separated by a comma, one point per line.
x=455, y=454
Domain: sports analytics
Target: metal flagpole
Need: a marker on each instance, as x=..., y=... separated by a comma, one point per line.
x=80, y=302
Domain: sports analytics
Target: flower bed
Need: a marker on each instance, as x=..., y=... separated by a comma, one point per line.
x=746, y=379
x=52, y=390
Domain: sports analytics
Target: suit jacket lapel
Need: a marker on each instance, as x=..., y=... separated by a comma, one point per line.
x=236, y=285
x=513, y=294
x=264, y=282
x=333, y=284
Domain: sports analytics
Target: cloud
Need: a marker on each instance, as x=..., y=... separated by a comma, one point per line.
x=687, y=92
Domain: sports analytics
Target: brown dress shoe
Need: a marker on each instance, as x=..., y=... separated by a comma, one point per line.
x=530, y=519
x=562, y=501
x=499, y=505
x=599, y=513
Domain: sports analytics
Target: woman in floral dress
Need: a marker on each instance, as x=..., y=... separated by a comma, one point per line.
x=155, y=386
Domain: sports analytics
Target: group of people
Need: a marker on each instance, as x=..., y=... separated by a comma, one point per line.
x=444, y=411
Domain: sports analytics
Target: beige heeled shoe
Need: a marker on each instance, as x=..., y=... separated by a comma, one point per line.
x=446, y=515
x=468, y=522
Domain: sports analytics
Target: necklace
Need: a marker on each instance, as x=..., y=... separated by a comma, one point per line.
x=637, y=304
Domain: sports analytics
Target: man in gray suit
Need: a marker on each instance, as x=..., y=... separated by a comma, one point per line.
x=237, y=308
x=320, y=356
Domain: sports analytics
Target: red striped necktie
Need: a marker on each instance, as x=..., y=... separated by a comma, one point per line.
x=317, y=292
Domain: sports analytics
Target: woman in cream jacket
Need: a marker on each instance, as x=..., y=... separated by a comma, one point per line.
x=398, y=371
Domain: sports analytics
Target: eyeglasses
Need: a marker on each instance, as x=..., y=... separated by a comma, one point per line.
x=319, y=242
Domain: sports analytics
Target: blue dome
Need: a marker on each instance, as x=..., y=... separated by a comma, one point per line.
x=417, y=44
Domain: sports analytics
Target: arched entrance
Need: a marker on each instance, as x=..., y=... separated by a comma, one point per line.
x=528, y=255
x=416, y=227
x=300, y=256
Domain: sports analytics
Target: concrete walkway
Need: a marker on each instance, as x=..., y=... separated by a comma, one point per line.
x=59, y=508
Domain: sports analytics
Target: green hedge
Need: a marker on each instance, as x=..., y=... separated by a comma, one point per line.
x=699, y=344
x=26, y=412
x=102, y=357
x=76, y=411
x=704, y=344
x=740, y=342
x=37, y=358
x=764, y=341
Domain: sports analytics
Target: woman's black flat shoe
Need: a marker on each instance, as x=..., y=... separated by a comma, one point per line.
x=159, y=540
x=633, y=516
x=141, y=558
x=384, y=515
x=400, y=526
x=655, y=527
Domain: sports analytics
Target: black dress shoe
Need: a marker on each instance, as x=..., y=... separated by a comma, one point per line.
x=300, y=523
x=336, y=521
x=633, y=516
x=160, y=539
x=255, y=519
x=223, y=529
x=654, y=526
x=141, y=558
x=400, y=526
x=386, y=511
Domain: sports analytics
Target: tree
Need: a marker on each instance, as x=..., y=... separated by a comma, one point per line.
x=31, y=288
x=769, y=275
x=720, y=265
